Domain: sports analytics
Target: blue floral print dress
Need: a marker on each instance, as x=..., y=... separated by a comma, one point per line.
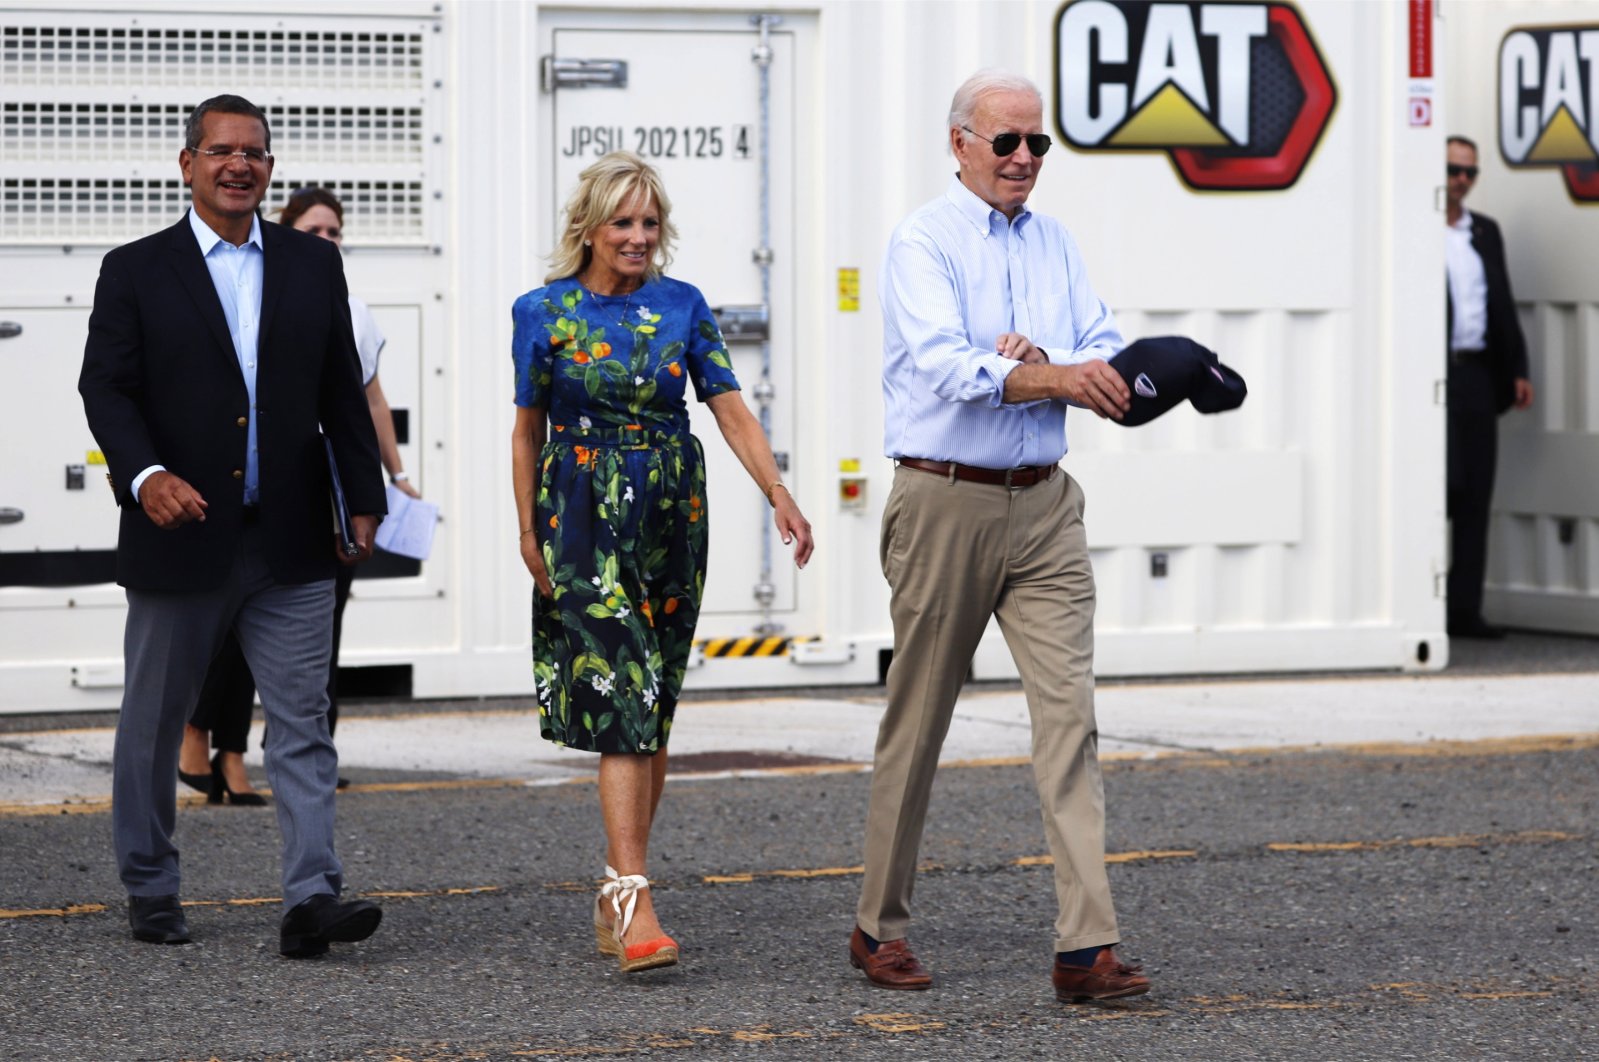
x=620, y=511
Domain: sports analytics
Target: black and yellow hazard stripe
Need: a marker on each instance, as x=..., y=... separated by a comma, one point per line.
x=750, y=646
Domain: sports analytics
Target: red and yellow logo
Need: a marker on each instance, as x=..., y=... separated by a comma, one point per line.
x=1237, y=94
x=1547, y=101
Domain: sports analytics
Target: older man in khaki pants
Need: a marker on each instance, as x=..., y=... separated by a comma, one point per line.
x=990, y=330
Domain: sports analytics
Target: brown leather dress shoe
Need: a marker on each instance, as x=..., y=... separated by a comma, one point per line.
x=1108, y=978
x=891, y=966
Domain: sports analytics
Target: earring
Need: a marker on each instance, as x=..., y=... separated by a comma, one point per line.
x=588, y=243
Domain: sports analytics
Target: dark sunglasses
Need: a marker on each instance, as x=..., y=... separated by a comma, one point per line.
x=1457, y=170
x=1007, y=143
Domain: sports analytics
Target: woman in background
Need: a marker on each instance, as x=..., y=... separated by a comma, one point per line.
x=228, y=698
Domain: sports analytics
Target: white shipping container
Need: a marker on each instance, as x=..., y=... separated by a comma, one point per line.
x=1523, y=86
x=1303, y=531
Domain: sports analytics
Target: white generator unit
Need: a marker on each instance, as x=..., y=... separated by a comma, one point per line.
x=1264, y=177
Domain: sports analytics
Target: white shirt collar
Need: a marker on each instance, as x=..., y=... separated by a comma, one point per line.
x=974, y=209
x=1464, y=224
x=209, y=239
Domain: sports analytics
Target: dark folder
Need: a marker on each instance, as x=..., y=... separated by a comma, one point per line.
x=342, y=525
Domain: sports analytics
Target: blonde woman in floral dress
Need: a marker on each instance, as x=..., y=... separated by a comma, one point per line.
x=610, y=498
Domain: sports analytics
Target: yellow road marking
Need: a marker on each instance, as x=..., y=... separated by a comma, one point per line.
x=55, y=912
x=748, y=877
x=249, y=901
x=1113, y=857
x=898, y=1023
x=1464, y=840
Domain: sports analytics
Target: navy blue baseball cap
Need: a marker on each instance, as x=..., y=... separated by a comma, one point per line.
x=1161, y=371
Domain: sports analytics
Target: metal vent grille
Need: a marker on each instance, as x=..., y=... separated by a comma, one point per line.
x=189, y=55
x=68, y=209
x=153, y=132
x=92, y=108
x=94, y=209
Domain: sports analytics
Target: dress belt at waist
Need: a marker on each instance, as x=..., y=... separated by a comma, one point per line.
x=1025, y=476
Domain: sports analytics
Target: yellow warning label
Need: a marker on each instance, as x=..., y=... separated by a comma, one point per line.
x=94, y=457
x=849, y=464
x=849, y=290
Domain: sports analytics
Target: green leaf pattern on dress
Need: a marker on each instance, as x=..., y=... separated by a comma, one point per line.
x=621, y=512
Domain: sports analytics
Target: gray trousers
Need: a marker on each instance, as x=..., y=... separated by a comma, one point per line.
x=286, y=634
x=955, y=553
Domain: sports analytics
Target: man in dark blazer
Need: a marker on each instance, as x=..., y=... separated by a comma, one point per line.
x=1487, y=376
x=219, y=352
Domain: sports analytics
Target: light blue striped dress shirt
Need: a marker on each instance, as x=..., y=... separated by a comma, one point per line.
x=957, y=274
x=237, y=273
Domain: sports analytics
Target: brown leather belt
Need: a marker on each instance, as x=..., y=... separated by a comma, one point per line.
x=1025, y=476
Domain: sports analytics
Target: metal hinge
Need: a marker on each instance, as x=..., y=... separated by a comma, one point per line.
x=582, y=73
x=743, y=324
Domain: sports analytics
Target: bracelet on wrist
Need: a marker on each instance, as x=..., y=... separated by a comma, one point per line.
x=772, y=487
x=399, y=477
x=525, y=531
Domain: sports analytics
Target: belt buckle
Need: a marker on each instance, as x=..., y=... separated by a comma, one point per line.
x=1009, y=474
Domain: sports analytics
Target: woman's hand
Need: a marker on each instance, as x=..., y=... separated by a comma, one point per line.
x=792, y=525
x=533, y=557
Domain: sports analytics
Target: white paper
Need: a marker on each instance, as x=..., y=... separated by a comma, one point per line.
x=408, y=529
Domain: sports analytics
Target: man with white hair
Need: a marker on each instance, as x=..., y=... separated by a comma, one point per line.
x=990, y=329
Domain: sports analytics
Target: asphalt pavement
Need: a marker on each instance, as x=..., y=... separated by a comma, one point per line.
x=1367, y=867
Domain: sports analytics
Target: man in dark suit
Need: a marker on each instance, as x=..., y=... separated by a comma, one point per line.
x=216, y=350
x=1487, y=376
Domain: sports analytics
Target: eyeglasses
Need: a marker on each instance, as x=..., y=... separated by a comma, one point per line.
x=1457, y=170
x=254, y=156
x=1007, y=143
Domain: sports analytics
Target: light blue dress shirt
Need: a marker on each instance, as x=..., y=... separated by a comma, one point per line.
x=957, y=274
x=237, y=274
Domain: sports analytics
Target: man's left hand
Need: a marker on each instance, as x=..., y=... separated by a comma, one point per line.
x=365, y=529
x=1017, y=347
x=1523, y=392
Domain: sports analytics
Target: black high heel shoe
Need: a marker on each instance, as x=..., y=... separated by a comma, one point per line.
x=219, y=789
x=202, y=782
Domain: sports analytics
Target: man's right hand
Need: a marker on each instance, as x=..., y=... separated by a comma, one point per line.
x=1095, y=385
x=169, y=501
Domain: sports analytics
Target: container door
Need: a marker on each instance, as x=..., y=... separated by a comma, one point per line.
x=703, y=132
x=58, y=523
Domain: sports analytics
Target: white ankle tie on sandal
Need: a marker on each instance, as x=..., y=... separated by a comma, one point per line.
x=623, y=892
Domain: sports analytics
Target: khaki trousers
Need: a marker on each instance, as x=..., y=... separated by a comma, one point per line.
x=954, y=553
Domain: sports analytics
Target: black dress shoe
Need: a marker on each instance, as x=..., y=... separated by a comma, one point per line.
x=157, y=920
x=309, y=927
x=1475, y=627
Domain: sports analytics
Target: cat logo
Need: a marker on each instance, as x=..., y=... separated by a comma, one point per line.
x=1547, y=101
x=1235, y=93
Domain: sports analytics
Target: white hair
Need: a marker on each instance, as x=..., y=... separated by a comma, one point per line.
x=989, y=79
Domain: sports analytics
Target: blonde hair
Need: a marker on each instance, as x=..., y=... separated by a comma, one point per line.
x=601, y=190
